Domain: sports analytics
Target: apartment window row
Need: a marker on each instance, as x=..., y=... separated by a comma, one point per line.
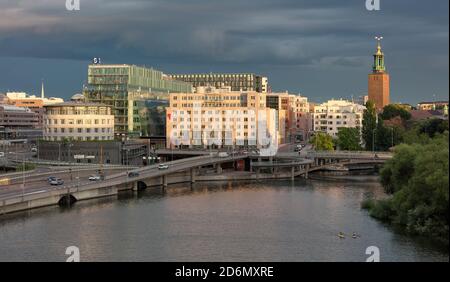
x=78, y=121
x=78, y=130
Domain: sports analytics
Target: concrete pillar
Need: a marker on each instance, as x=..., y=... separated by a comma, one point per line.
x=135, y=187
x=306, y=172
x=193, y=173
x=219, y=168
x=164, y=180
x=292, y=173
x=258, y=170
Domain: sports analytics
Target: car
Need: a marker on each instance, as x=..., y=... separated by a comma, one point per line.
x=34, y=149
x=245, y=152
x=223, y=154
x=163, y=166
x=133, y=174
x=2, y=154
x=95, y=178
x=51, y=178
x=57, y=181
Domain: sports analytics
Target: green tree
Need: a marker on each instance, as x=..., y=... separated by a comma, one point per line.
x=369, y=125
x=322, y=142
x=383, y=137
x=417, y=178
x=433, y=126
x=394, y=110
x=349, y=139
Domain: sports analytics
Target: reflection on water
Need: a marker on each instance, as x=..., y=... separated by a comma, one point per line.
x=255, y=221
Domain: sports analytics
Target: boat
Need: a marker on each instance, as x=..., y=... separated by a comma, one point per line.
x=341, y=235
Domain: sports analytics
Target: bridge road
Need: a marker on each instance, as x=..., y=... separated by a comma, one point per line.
x=117, y=178
x=38, y=181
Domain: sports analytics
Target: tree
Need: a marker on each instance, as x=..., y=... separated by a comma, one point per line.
x=322, y=142
x=349, y=139
x=417, y=178
x=433, y=126
x=383, y=137
x=394, y=110
x=369, y=125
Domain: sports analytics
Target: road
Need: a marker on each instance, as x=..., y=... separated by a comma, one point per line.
x=40, y=185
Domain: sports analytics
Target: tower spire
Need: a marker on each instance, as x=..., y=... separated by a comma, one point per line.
x=378, y=57
x=42, y=90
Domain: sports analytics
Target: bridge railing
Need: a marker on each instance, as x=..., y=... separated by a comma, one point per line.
x=350, y=154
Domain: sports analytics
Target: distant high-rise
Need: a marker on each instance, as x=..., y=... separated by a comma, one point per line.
x=137, y=95
x=237, y=81
x=379, y=79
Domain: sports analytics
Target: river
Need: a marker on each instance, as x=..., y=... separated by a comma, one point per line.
x=256, y=221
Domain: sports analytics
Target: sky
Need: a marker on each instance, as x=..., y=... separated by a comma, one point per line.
x=320, y=48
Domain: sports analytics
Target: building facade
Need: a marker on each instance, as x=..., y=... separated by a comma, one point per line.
x=95, y=152
x=237, y=81
x=329, y=117
x=428, y=106
x=220, y=118
x=18, y=123
x=78, y=121
x=294, y=119
x=379, y=85
x=32, y=102
x=127, y=90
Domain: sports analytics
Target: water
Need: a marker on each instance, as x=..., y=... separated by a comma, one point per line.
x=259, y=221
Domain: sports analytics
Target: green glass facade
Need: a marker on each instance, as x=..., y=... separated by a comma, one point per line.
x=127, y=89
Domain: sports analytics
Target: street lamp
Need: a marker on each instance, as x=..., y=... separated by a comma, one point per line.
x=392, y=128
x=69, y=159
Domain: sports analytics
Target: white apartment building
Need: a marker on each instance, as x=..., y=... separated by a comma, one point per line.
x=335, y=114
x=220, y=118
x=78, y=121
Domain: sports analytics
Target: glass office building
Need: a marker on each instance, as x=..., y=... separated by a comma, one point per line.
x=237, y=81
x=136, y=94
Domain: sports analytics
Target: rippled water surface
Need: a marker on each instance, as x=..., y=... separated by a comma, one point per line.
x=267, y=221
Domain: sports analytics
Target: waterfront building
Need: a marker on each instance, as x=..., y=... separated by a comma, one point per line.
x=133, y=92
x=379, y=80
x=436, y=105
x=293, y=116
x=32, y=102
x=18, y=124
x=78, y=120
x=330, y=116
x=237, y=81
x=220, y=118
x=131, y=152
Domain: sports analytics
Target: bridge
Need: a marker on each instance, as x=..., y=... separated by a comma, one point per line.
x=202, y=168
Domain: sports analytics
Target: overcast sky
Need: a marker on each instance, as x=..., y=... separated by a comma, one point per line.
x=319, y=48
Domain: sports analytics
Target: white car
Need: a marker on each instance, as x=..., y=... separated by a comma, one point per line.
x=163, y=166
x=223, y=154
x=95, y=178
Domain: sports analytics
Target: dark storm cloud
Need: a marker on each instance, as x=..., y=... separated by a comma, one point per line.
x=208, y=35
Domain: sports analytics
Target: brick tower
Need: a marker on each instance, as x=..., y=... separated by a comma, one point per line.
x=379, y=80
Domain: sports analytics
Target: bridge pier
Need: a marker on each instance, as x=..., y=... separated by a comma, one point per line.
x=306, y=171
x=293, y=172
x=193, y=174
x=164, y=181
x=219, y=169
